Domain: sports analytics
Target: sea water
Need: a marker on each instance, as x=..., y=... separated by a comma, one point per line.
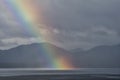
x=40, y=71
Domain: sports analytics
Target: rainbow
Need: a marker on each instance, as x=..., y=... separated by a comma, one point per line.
x=28, y=15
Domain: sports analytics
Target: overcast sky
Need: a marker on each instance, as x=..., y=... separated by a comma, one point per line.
x=76, y=23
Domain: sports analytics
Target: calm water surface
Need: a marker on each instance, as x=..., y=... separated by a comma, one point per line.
x=36, y=71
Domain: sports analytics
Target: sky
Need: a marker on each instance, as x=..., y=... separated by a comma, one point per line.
x=68, y=23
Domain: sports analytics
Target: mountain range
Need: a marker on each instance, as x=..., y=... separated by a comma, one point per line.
x=98, y=57
x=32, y=56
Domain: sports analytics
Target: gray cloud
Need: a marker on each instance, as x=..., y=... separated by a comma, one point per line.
x=86, y=23
x=79, y=23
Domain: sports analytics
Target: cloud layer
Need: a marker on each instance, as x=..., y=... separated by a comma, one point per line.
x=76, y=23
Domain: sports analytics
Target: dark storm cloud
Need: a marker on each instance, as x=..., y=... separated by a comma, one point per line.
x=86, y=23
x=80, y=23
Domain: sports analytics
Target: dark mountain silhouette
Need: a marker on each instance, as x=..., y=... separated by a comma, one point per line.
x=98, y=57
x=77, y=50
x=34, y=56
x=30, y=56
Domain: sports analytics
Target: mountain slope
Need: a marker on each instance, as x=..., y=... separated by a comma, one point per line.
x=98, y=57
x=30, y=56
